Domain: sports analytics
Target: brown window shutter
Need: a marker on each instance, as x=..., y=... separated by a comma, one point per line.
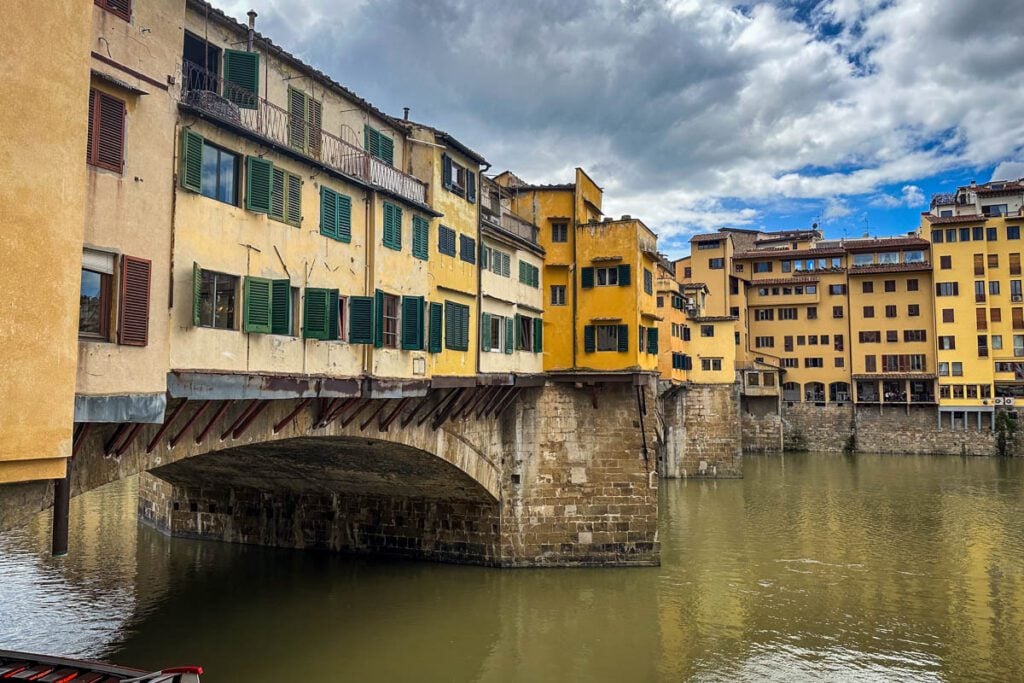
x=92, y=124
x=133, y=319
x=122, y=8
x=105, y=147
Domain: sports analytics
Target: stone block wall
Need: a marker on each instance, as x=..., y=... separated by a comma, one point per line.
x=700, y=432
x=760, y=425
x=894, y=430
x=811, y=427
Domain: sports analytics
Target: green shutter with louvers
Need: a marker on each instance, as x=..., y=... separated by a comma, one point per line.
x=446, y=171
x=344, y=217
x=436, y=315
x=623, y=338
x=191, y=160
x=328, y=213
x=332, y=315
x=371, y=140
x=589, y=339
x=360, y=316
x=464, y=329
x=450, y=326
x=278, y=192
x=587, y=278
x=241, y=77
x=293, y=208
x=519, y=331
x=471, y=187
x=652, y=340
x=259, y=175
x=420, y=238
x=257, y=305
x=624, y=275
x=538, y=335
x=509, y=335
x=281, y=307
x=387, y=148
x=412, y=323
x=378, y=319
x=298, y=106
x=315, y=318
x=197, y=293
x=485, y=331
x=392, y=226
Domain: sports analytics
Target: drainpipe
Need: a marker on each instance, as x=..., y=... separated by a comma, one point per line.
x=479, y=270
x=575, y=284
x=368, y=279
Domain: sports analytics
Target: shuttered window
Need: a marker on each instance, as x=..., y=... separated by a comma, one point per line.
x=446, y=240
x=121, y=8
x=191, y=160
x=317, y=314
x=587, y=278
x=435, y=324
x=456, y=326
x=305, y=118
x=134, y=310
x=412, y=323
x=105, y=142
x=378, y=144
x=257, y=302
x=529, y=274
x=259, y=179
x=392, y=236
x=335, y=215
x=652, y=340
x=285, y=197
x=281, y=307
x=360, y=320
x=241, y=78
x=213, y=298
x=467, y=248
x=420, y=238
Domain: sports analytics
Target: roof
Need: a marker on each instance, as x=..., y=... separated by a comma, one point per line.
x=526, y=187
x=891, y=268
x=895, y=375
x=886, y=243
x=714, y=318
x=694, y=285
x=444, y=137
x=784, y=281
x=940, y=220
x=712, y=237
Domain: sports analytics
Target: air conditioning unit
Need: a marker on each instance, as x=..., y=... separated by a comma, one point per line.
x=1017, y=297
x=999, y=401
x=985, y=402
x=1008, y=401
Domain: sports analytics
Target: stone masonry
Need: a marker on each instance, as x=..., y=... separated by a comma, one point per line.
x=700, y=433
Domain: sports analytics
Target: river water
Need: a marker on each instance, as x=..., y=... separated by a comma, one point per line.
x=813, y=567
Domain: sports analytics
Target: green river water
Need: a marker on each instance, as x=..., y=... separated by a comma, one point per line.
x=813, y=567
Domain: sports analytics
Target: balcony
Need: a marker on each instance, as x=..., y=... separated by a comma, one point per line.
x=517, y=226
x=204, y=91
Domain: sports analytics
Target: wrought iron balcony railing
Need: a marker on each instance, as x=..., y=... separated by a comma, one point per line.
x=302, y=133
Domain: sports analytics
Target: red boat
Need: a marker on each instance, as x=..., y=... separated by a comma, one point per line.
x=21, y=666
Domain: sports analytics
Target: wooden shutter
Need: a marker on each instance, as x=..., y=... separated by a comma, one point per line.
x=623, y=337
x=105, y=143
x=360, y=316
x=436, y=315
x=344, y=217
x=378, y=319
x=470, y=187
x=197, y=294
x=257, y=305
x=624, y=275
x=420, y=238
x=464, y=329
x=982, y=318
x=315, y=118
x=297, y=133
x=485, y=331
x=589, y=339
x=315, y=320
x=652, y=340
x=191, y=160
x=687, y=362
x=510, y=334
x=371, y=140
x=293, y=207
x=587, y=278
x=387, y=148
x=259, y=179
x=446, y=171
x=538, y=335
x=412, y=323
x=134, y=315
x=121, y=8
x=333, y=300
x=281, y=307
x=328, y=213
x=450, y=326
x=241, y=78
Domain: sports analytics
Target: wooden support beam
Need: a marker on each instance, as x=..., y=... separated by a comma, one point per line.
x=292, y=415
x=360, y=407
x=81, y=431
x=498, y=401
x=336, y=413
x=241, y=429
x=165, y=426
x=325, y=412
x=470, y=395
x=442, y=416
x=213, y=420
x=238, y=419
x=375, y=413
x=489, y=403
x=386, y=422
x=477, y=397
x=412, y=413
x=452, y=394
x=115, y=439
x=132, y=433
x=195, y=416
x=593, y=395
x=506, y=402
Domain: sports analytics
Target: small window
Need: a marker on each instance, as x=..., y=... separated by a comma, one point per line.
x=467, y=248
x=648, y=281
x=869, y=311
x=913, y=310
x=607, y=277
x=378, y=144
x=560, y=232
x=707, y=330
x=1013, y=232
x=120, y=8
x=558, y=295
x=95, y=295
x=607, y=338
x=716, y=263
x=711, y=364
x=390, y=316
x=890, y=311
x=446, y=240
x=220, y=174
x=945, y=262
x=867, y=287
x=890, y=285
x=217, y=297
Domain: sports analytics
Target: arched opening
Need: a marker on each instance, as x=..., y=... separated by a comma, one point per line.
x=839, y=392
x=791, y=391
x=814, y=392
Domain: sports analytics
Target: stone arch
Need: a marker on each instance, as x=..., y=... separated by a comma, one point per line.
x=814, y=392
x=839, y=392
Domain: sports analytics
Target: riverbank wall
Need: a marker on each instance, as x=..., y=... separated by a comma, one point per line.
x=698, y=432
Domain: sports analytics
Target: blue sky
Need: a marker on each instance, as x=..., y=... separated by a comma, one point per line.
x=697, y=114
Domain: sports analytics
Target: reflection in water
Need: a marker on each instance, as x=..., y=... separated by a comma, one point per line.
x=812, y=567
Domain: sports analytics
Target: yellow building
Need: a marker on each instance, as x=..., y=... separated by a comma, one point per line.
x=606, y=268
x=43, y=191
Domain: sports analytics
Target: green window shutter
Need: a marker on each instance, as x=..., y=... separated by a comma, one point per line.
x=538, y=335
x=328, y=213
x=464, y=331
x=197, y=293
x=332, y=315
x=436, y=315
x=522, y=272
x=315, y=118
x=519, y=331
x=315, y=319
x=623, y=338
x=278, y=191
x=297, y=116
x=446, y=171
x=371, y=140
x=412, y=323
x=624, y=275
x=281, y=307
x=485, y=331
x=587, y=278
x=589, y=339
x=241, y=77
x=293, y=210
x=392, y=237
x=387, y=149
x=378, y=319
x=191, y=160
x=471, y=187
x=344, y=212
x=258, y=180
x=420, y=238
x=257, y=305
x=510, y=332
x=360, y=316
x=449, y=325
x=397, y=227
x=652, y=340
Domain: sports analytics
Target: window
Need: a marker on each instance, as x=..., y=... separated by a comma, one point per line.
x=707, y=330
x=812, y=340
x=790, y=362
x=687, y=273
x=445, y=240
x=863, y=260
x=947, y=289
x=1015, y=264
x=1017, y=316
x=890, y=285
x=948, y=315
x=787, y=314
x=912, y=285
x=869, y=311
x=762, y=266
x=979, y=291
x=105, y=141
x=994, y=210
x=607, y=277
x=120, y=8
x=392, y=233
x=997, y=342
x=951, y=234
x=1013, y=232
x=336, y=216
x=965, y=234
x=890, y=311
x=496, y=261
x=982, y=346
x=869, y=364
x=389, y=321
x=838, y=342
x=981, y=318
x=494, y=334
x=764, y=342
x=305, y=116
x=947, y=343
x=420, y=238
x=814, y=363
x=217, y=294
x=713, y=244
x=993, y=260
x=944, y=369
x=892, y=336
x=529, y=274
x=915, y=335
x=456, y=326
x=378, y=144
x=943, y=391
x=458, y=179
x=903, y=362
x=958, y=369
x=96, y=295
x=812, y=312
x=913, y=310
x=946, y=262
x=648, y=281
x=937, y=236
x=560, y=232
x=978, y=234
x=993, y=288
x=525, y=333
x=996, y=315
x=711, y=364
x=1015, y=291
x=840, y=362
x=837, y=311
x=867, y=287
x=216, y=168
x=916, y=256
x=1018, y=345
x=661, y=302
x=467, y=252
x=991, y=234
x=558, y=295
x=837, y=289
x=763, y=314
x=272, y=190
x=607, y=337
x=870, y=337
x=716, y=263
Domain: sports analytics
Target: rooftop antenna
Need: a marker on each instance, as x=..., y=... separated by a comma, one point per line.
x=867, y=227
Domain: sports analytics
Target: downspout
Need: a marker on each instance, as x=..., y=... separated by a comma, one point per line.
x=368, y=235
x=479, y=270
x=575, y=284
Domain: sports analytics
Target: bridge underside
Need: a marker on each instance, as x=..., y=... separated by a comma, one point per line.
x=341, y=494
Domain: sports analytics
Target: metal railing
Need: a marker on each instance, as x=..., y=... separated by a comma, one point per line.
x=208, y=92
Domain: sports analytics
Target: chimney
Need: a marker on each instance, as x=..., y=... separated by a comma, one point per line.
x=252, y=29
x=405, y=113
x=626, y=217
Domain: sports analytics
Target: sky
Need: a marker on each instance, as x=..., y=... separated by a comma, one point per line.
x=697, y=114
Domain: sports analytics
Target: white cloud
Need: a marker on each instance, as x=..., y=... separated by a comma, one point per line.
x=1008, y=170
x=835, y=208
x=911, y=196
